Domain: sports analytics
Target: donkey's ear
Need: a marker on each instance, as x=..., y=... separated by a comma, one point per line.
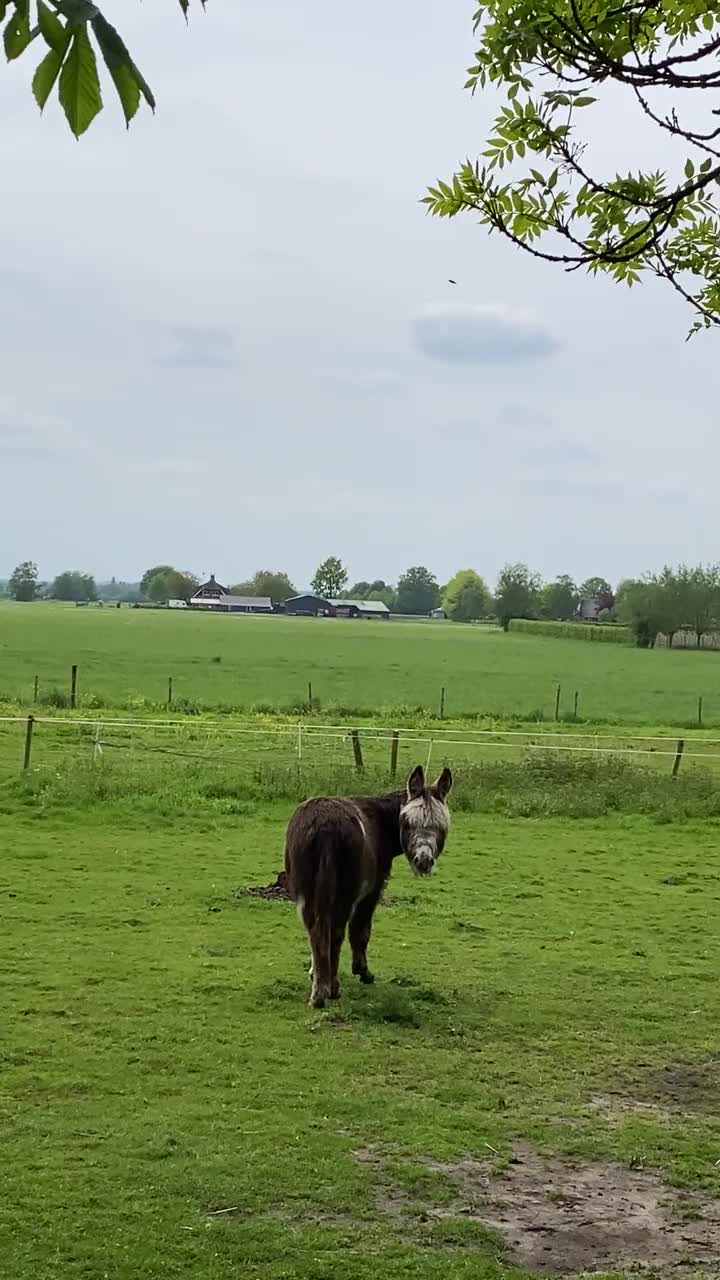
x=416, y=782
x=443, y=784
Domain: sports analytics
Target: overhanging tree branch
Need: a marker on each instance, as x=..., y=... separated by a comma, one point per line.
x=73, y=32
x=624, y=225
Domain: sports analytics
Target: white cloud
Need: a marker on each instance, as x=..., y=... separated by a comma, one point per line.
x=478, y=333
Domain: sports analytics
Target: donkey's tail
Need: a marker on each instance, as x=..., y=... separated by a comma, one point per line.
x=326, y=884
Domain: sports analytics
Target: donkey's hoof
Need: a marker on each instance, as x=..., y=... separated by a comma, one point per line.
x=317, y=1000
x=367, y=978
x=335, y=991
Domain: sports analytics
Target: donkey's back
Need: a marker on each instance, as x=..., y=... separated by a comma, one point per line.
x=328, y=857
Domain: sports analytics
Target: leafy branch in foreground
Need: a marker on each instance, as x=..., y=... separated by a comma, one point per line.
x=547, y=55
x=71, y=31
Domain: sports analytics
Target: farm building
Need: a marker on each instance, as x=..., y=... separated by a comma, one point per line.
x=360, y=609
x=210, y=590
x=308, y=605
x=592, y=606
x=234, y=604
x=213, y=595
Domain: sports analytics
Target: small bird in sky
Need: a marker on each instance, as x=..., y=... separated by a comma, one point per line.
x=452, y=281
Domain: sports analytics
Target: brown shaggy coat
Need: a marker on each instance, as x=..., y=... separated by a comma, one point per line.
x=338, y=856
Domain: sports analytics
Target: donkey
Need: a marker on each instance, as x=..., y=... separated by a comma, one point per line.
x=338, y=857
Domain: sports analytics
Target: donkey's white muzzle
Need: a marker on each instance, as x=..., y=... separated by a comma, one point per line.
x=423, y=862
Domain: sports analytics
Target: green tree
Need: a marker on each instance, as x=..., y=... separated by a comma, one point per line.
x=417, y=591
x=638, y=607
x=115, y=590
x=70, y=34
x=23, y=584
x=385, y=593
x=699, y=594
x=536, y=183
x=266, y=583
x=595, y=587
x=149, y=574
x=74, y=585
x=330, y=578
x=170, y=584
x=465, y=598
x=376, y=590
x=559, y=599
x=517, y=594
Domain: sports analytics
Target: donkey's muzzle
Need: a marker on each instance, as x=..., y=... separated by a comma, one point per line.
x=423, y=863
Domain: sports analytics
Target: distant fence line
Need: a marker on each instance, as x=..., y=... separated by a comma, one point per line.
x=349, y=746
x=71, y=700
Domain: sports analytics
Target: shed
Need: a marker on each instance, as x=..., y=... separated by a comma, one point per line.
x=234, y=604
x=308, y=605
x=360, y=609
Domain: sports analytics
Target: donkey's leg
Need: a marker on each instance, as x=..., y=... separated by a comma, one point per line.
x=320, y=942
x=359, y=932
x=338, y=937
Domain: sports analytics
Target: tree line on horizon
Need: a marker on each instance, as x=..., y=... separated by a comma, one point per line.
x=674, y=599
x=685, y=598
x=465, y=598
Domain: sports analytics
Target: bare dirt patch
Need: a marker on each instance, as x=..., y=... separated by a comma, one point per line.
x=566, y=1219
x=617, y=1106
x=680, y=1089
x=275, y=892
x=688, y=1086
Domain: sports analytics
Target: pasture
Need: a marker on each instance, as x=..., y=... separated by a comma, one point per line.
x=530, y=1088
x=385, y=670
x=170, y=1107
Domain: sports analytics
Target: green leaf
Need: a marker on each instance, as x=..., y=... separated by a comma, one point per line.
x=17, y=34
x=79, y=84
x=77, y=12
x=53, y=31
x=46, y=75
x=689, y=168
x=128, y=81
x=708, y=21
x=583, y=101
x=706, y=165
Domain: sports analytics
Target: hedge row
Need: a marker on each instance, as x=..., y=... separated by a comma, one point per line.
x=609, y=632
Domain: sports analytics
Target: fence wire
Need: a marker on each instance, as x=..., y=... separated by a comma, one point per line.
x=61, y=743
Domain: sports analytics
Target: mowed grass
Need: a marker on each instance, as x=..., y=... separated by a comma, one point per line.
x=126, y=656
x=159, y=1063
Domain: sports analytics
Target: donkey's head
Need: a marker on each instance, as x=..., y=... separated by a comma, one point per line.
x=425, y=820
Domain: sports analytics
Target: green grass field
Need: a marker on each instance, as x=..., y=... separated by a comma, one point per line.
x=125, y=658
x=555, y=983
x=545, y=1017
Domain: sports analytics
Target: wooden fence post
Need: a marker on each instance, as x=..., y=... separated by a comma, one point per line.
x=73, y=686
x=170, y=693
x=442, y=703
x=575, y=707
x=678, y=756
x=310, y=701
x=394, y=753
x=557, y=702
x=36, y=688
x=700, y=712
x=357, y=750
x=28, y=741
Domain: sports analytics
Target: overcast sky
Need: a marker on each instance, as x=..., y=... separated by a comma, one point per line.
x=228, y=340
